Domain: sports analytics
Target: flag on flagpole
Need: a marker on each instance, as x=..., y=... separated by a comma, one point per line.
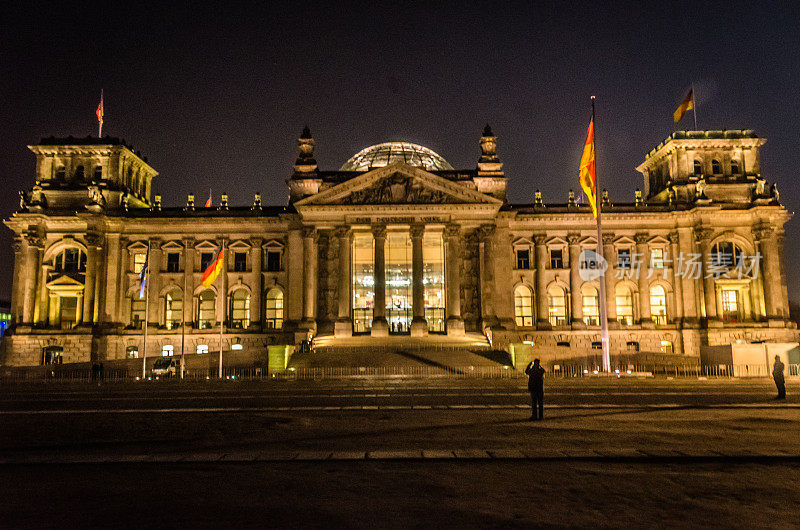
x=208, y=202
x=143, y=275
x=686, y=105
x=100, y=114
x=586, y=170
x=213, y=270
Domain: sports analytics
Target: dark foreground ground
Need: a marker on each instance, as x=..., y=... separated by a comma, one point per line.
x=446, y=453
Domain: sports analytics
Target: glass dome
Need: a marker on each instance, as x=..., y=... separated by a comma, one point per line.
x=381, y=155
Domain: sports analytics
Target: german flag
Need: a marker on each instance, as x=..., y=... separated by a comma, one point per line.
x=586, y=171
x=686, y=105
x=212, y=271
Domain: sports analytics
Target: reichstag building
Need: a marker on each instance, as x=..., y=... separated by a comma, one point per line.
x=396, y=242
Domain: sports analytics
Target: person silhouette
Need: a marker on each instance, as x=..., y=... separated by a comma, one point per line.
x=777, y=374
x=535, y=374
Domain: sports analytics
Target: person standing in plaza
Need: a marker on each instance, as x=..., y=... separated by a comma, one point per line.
x=777, y=374
x=535, y=374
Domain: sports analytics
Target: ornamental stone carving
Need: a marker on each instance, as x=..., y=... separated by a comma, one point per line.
x=397, y=189
x=379, y=231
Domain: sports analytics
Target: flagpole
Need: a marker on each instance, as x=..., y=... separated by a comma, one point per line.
x=694, y=106
x=598, y=206
x=223, y=300
x=100, y=120
x=146, y=315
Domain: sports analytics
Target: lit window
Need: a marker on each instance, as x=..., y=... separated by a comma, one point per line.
x=236, y=347
x=591, y=305
x=138, y=306
x=132, y=352
x=52, y=355
x=523, y=306
x=556, y=258
x=240, y=309
x=138, y=262
x=658, y=304
x=205, y=310
x=202, y=348
x=523, y=259
x=173, y=309
x=632, y=346
x=274, y=313
x=657, y=258
x=666, y=347
x=624, y=300
x=167, y=350
x=557, y=306
x=730, y=305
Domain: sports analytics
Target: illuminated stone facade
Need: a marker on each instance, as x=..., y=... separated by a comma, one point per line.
x=396, y=242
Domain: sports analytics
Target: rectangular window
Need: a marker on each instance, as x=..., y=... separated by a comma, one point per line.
x=666, y=347
x=624, y=258
x=137, y=311
x=632, y=346
x=173, y=262
x=167, y=350
x=597, y=345
x=240, y=262
x=202, y=348
x=273, y=260
x=138, y=262
x=206, y=258
x=52, y=355
x=363, y=281
x=657, y=258
x=730, y=305
x=72, y=260
x=556, y=258
x=523, y=259
x=132, y=352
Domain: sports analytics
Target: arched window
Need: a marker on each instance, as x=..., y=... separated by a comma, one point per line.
x=173, y=309
x=523, y=305
x=557, y=306
x=70, y=261
x=725, y=255
x=591, y=305
x=734, y=167
x=698, y=167
x=624, y=299
x=274, y=312
x=205, y=309
x=716, y=167
x=138, y=306
x=658, y=304
x=240, y=309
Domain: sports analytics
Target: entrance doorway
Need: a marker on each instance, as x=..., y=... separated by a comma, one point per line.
x=398, y=282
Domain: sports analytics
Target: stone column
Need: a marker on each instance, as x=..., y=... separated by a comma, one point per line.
x=92, y=251
x=257, y=298
x=380, y=327
x=295, y=274
x=188, y=282
x=690, y=286
x=155, y=285
x=610, y=255
x=703, y=236
x=52, y=310
x=542, y=314
x=122, y=291
x=113, y=282
x=17, y=292
x=452, y=241
x=770, y=272
x=642, y=280
x=575, y=281
x=310, y=236
x=419, y=325
x=344, y=321
x=487, y=248
x=780, y=237
x=31, y=274
x=677, y=282
x=42, y=298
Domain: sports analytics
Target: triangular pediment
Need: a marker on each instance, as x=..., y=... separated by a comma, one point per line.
x=65, y=284
x=397, y=183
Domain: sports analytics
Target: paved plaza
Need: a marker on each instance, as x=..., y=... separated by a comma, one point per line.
x=400, y=452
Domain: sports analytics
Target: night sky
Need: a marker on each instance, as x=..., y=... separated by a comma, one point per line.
x=215, y=96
